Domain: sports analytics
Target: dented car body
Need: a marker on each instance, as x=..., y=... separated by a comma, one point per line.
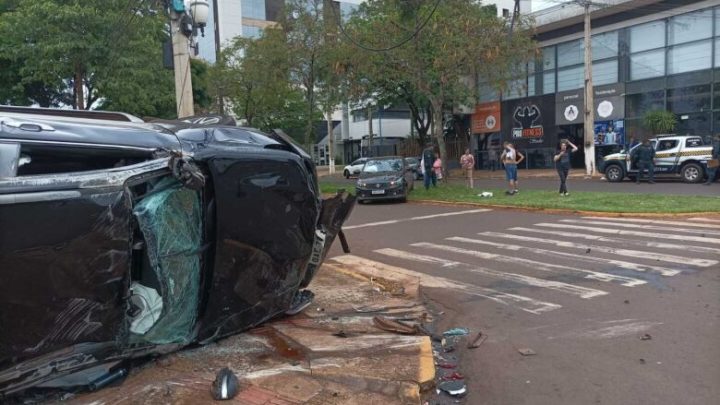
x=120, y=240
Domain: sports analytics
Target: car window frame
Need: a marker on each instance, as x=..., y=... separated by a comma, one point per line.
x=9, y=159
x=675, y=145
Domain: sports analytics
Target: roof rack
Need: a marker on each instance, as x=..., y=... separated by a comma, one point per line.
x=57, y=112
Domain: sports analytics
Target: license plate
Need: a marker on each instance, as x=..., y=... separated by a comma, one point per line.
x=375, y=192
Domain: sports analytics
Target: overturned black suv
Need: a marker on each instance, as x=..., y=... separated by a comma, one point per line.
x=120, y=240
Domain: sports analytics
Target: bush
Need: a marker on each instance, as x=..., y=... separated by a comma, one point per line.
x=660, y=121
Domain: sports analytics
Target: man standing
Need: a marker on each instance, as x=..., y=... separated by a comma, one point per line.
x=644, y=155
x=712, y=171
x=510, y=158
x=428, y=158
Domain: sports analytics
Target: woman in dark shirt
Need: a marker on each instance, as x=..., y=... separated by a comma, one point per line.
x=562, y=163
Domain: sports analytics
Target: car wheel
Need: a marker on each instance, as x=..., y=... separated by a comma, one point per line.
x=692, y=173
x=346, y=173
x=614, y=173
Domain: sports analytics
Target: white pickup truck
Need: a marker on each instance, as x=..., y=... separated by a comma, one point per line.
x=675, y=155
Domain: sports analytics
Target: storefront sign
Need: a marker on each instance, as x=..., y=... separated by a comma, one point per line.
x=486, y=118
x=570, y=107
x=527, y=120
x=610, y=102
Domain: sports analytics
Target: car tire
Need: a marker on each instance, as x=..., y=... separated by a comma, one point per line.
x=614, y=173
x=346, y=173
x=692, y=173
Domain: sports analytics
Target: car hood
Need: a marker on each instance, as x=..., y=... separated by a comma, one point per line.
x=383, y=177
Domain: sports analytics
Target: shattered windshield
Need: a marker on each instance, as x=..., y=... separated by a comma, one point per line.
x=386, y=165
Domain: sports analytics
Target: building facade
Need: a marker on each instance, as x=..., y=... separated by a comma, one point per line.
x=647, y=55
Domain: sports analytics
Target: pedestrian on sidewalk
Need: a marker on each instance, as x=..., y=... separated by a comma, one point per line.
x=510, y=159
x=467, y=162
x=562, y=163
x=426, y=163
x=437, y=167
x=492, y=158
x=644, y=155
x=713, y=171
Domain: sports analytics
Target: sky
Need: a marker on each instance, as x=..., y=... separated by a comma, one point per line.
x=541, y=4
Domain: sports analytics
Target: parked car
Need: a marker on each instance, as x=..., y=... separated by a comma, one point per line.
x=413, y=165
x=675, y=155
x=354, y=168
x=122, y=239
x=386, y=178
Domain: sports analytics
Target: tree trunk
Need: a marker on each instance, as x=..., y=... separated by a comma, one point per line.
x=437, y=114
x=79, y=91
x=331, y=143
x=310, y=128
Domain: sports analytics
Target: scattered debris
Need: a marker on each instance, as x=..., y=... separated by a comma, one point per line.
x=302, y=300
x=485, y=194
x=390, y=325
x=454, y=376
x=454, y=388
x=448, y=344
x=425, y=331
x=475, y=343
x=447, y=365
x=456, y=332
x=225, y=385
x=588, y=250
x=526, y=351
x=642, y=361
x=646, y=337
x=368, y=309
x=627, y=301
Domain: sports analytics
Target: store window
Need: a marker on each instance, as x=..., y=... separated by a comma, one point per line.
x=636, y=105
x=249, y=31
x=548, y=58
x=549, y=82
x=531, y=90
x=570, y=53
x=690, y=27
x=253, y=9
x=690, y=57
x=689, y=99
x=605, y=45
x=694, y=124
x=647, y=36
x=605, y=72
x=571, y=78
x=516, y=89
x=647, y=64
x=717, y=52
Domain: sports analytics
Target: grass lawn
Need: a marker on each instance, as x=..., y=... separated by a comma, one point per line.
x=580, y=201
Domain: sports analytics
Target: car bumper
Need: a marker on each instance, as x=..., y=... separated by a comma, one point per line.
x=389, y=194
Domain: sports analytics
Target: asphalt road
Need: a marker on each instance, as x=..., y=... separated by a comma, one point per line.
x=663, y=186
x=580, y=292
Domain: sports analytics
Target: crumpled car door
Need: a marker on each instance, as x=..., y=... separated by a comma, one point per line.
x=64, y=269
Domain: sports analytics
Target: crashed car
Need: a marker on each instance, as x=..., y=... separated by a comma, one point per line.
x=121, y=239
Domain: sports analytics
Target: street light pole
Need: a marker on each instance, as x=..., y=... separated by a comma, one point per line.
x=589, y=100
x=181, y=58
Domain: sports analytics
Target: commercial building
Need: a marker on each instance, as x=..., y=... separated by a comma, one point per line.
x=647, y=55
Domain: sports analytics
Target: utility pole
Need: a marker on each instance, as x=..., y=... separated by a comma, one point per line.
x=181, y=59
x=331, y=143
x=589, y=100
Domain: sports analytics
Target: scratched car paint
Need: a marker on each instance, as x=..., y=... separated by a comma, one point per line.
x=120, y=240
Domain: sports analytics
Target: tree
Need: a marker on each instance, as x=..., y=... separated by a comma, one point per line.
x=89, y=54
x=660, y=121
x=430, y=48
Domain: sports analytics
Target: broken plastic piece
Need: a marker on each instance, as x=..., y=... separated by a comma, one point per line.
x=454, y=376
x=456, y=332
x=107, y=379
x=479, y=339
x=646, y=337
x=302, y=300
x=454, y=388
x=148, y=305
x=526, y=351
x=225, y=385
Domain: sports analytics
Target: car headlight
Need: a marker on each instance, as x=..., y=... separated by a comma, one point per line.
x=361, y=184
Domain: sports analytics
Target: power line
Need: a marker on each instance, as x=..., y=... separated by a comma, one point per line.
x=390, y=48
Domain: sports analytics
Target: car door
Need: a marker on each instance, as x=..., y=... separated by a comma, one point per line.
x=358, y=165
x=65, y=257
x=666, y=155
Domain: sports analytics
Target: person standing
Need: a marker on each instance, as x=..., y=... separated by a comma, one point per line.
x=437, y=167
x=510, y=159
x=426, y=163
x=712, y=171
x=644, y=155
x=492, y=158
x=562, y=163
x=467, y=162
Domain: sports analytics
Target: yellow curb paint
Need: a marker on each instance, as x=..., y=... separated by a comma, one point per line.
x=426, y=369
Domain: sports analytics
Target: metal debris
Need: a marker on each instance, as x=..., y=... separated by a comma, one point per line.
x=526, y=351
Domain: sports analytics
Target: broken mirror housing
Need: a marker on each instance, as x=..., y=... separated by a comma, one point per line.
x=123, y=239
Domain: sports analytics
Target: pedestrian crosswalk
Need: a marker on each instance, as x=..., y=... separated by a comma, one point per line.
x=570, y=257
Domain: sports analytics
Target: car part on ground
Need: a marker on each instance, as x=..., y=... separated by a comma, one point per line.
x=223, y=225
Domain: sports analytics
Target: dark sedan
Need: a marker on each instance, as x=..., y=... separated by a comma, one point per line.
x=384, y=179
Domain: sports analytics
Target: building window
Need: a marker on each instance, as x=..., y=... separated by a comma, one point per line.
x=516, y=89
x=549, y=82
x=605, y=45
x=486, y=93
x=570, y=79
x=717, y=52
x=647, y=64
x=647, y=36
x=690, y=27
x=636, y=105
x=690, y=57
x=249, y=31
x=253, y=9
x=605, y=72
x=505, y=13
x=570, y=53
x=531, y=90
x=548, y=58
x=689, y=99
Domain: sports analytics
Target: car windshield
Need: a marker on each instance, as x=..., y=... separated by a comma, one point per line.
x=385, y=165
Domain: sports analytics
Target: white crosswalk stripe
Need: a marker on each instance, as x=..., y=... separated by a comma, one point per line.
x=536, y=265
x=600, y=238
x=521, y=302
x=611, y=231
x=639, y=226
x=571, y=256
x=420, y=218
x=621, y=252
x=582, y=292
x=652, y=222
x=715, y=221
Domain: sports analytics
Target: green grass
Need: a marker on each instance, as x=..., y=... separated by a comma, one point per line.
x=576, y=201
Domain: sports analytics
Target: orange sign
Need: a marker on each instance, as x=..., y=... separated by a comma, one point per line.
x=486, y=118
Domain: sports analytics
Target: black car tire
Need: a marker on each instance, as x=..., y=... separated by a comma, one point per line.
x=692, y=173
x=614, y=173
x=346, y=173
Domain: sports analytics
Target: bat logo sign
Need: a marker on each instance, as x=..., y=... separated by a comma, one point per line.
x=528, y=124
